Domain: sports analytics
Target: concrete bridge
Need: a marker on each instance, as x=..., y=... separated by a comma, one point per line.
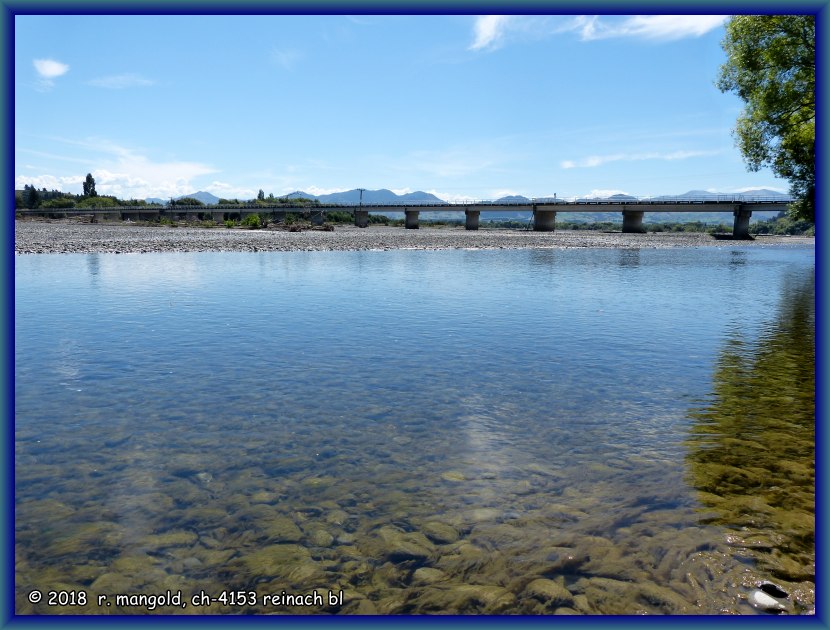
x=544, y=211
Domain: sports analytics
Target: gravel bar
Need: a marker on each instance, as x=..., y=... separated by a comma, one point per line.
x=43, y=237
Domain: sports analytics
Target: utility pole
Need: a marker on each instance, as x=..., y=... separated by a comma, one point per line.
x=361, y=196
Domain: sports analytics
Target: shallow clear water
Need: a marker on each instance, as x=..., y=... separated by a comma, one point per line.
x=525, y=431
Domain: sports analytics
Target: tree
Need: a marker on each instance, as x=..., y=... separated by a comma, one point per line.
x=31, y=197
x=260, y=195
x=89, y=186
x=771, y=66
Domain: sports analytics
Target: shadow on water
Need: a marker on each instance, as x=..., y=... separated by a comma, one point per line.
x=752, y=445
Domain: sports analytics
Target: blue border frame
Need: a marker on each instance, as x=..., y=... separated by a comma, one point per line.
x=10, y=8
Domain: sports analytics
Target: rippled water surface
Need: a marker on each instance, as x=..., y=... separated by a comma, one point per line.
x=527, y=431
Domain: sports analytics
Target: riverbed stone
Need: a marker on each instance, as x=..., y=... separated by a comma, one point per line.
x=395, y=545
x=176, y=538
x=428, y=575
x=280, y=529
x=319, y=537
x=465, y=599
x=440, y=533
x=550, y=593
x=272, y=561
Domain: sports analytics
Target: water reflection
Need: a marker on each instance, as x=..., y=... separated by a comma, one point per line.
x=752, y=446
x=629, y=258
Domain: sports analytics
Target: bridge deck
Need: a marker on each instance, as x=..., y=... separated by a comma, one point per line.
x=589, y=205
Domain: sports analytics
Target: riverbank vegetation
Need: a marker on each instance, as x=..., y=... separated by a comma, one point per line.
x=771, y=66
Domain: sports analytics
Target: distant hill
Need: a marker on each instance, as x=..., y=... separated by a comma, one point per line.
x=369, y=196
x=205, y=197
x=705, y=194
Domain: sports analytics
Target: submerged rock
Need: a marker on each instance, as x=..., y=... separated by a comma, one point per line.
x=760, y=600
x=440, y=533
x=395, y=545
x=550, y=593
x=320, y=538
x=428, y=575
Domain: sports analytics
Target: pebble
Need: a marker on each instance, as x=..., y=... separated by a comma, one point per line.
x=40, y=237
x=761, y=601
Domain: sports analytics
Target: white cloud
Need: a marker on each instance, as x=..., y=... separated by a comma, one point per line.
x=286, y=58
x=604, y=192
x=316, y=190
x=744, y=189
x=225, y=190
x=599, y=160
x=489, y=31
x=50, y=182
x=451, y=197
x=656, y=27
x=120, y=81
x=49, y=68
x=504, y=192
x=126, y=173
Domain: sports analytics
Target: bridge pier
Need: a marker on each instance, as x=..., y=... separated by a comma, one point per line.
x=361, y=218
x=411, y=219
x=544, y=220
x=472, y=219
x=633, y=222
x=740, y=227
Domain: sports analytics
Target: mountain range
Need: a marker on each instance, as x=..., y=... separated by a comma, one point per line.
x=387, y=196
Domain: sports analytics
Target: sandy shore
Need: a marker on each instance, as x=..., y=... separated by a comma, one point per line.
x=64, y=238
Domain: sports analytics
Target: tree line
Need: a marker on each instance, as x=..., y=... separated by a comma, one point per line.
x=31, y=198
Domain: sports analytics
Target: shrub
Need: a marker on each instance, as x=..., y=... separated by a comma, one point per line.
x=252, y=221
x=60, y=202
x=98, y=202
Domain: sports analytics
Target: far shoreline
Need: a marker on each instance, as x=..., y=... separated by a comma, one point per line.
x=69, y=237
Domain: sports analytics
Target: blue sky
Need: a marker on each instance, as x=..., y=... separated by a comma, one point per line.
x=460, y=106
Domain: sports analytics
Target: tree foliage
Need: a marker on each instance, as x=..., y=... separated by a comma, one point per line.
x=31, y=197
x=771, y=66
x=89, y=186
x=98, y=202
x=186, y=201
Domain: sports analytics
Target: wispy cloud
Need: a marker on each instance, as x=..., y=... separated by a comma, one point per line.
x=450, y=163
x=47, y=70
x=655, y=27
x=489, y=31
x=599, y=160
x=121, y=81
x=286, y=58
x=55, y=156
